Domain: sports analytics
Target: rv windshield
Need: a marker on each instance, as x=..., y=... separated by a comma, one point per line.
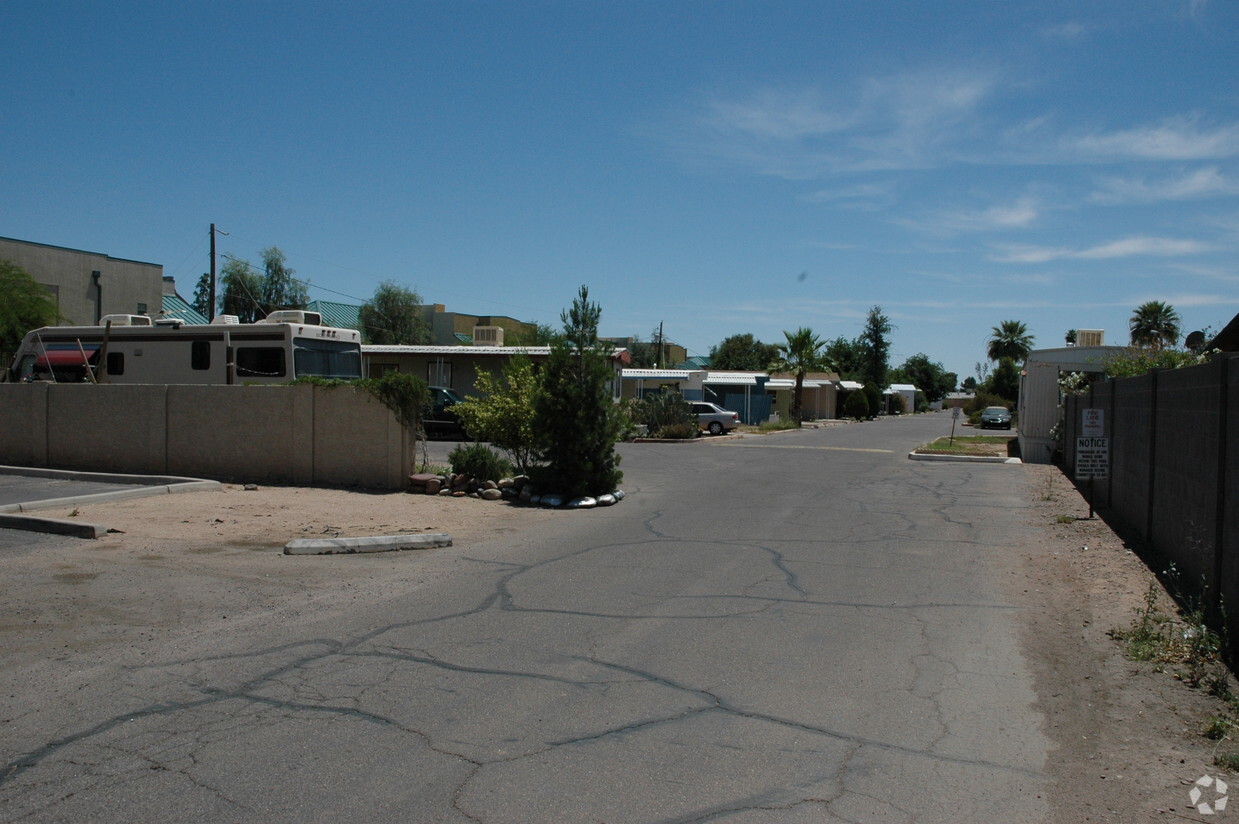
x=326, y=358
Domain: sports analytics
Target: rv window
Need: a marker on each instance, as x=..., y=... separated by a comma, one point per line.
x=327, y=358
x=260, y=362
x=116, y=363
x=200, y=354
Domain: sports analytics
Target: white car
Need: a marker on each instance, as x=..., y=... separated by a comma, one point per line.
x=714, y=419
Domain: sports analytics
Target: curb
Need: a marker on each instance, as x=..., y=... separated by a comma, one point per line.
x=145, y=485
x=375, y=543
x=52, y=526
x=920, y=456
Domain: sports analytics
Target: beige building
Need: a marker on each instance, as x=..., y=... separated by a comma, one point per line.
x=89, y=285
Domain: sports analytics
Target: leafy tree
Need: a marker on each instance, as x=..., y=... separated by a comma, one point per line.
x=1005, y=381
x=1139, y=360
x=242, y=290
x=875, y=348
x=393, y=316
x=280, y=290
x=542, y=334
x=856, y=405
x=1010, y=340
x=202, y=296
x=1154, y=324
x=847, y=356
x=968, y=384
x=800, y=354
x=576, y=420
x=927, y=376
x=504, y=411
x=743, y=353
x=24, y=305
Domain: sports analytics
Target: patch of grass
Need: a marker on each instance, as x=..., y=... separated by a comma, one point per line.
x=776, y=426
x=984, y=445
x=1227, y=761
x=1219, y=727
x=1064, y=519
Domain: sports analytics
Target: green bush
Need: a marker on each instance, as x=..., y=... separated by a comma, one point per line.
x=480, y=461
x=981, y=401
x=856, y=406
x=662, y=410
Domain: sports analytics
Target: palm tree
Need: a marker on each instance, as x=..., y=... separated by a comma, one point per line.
x=1154, y=324
x=801, y=354
x=1010, y=340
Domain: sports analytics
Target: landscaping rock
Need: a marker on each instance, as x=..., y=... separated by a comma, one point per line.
x=606, y=500
x=582, y=503
x=433, y=486
x=492, y=494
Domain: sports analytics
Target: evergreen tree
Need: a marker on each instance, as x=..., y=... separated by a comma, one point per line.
x=280, y=290
x=203, y=298
x=875, y=348
x=576, y=419
x=242, y=291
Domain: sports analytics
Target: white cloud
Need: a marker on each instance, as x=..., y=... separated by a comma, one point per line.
x=1124, y=248
x=1176, y=138
x=1019, y=214
x=1205, y=182
x=897, y=122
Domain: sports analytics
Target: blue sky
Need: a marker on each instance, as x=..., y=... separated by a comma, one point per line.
x=718, y=167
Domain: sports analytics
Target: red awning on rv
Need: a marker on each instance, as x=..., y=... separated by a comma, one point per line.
x=61, y=357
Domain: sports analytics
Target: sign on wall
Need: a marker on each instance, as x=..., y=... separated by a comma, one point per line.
x=1092, y=458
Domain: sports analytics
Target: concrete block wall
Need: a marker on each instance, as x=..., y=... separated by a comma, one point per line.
x=299, y=435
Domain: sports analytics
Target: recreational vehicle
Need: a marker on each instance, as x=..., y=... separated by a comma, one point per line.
x=134, y=349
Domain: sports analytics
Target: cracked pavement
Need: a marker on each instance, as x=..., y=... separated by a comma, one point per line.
x=754, y=635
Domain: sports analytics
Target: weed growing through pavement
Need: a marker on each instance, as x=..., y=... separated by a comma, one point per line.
x=1064, y=519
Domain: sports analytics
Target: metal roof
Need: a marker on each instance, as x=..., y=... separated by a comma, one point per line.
x=175, y=308
x=339, y=315
x=780, y=383
x=851, y=386
x=657, y=374
x=731, y=379
x=396, y=349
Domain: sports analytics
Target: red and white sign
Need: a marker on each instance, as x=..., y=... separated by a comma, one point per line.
x=1093, y=423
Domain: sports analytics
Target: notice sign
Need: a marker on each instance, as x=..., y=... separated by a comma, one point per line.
x=1092, y=458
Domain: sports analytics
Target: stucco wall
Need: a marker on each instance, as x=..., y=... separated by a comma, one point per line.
x=275, y=434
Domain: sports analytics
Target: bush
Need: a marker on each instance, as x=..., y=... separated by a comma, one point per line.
x=856, y=406
x=679, y=431
x=480, y=461
x=503, y=414
x=662, y=410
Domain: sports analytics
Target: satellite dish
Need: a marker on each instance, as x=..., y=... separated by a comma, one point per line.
x=1195, y=340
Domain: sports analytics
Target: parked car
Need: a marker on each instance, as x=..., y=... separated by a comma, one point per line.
x=995, y=417
x=714, y=419
x=442, y=420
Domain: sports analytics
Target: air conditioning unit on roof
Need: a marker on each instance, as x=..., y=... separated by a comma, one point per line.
x=488, y=336
x=1090, y=337
x=125, y=320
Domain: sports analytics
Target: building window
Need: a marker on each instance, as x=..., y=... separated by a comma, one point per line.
x=116, y=363
x=141, y=308
x=439, y=373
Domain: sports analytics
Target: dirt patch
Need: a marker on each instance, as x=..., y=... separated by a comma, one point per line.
x=177, y=558
x=1129, y=739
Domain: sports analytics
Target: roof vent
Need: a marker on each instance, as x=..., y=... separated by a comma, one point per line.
x=125, y=320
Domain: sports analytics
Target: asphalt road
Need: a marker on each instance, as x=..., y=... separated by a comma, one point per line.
x=802, y=628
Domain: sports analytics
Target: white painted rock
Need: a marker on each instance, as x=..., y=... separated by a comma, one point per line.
x=606, y=500
x=552, y=500
x=582, y=503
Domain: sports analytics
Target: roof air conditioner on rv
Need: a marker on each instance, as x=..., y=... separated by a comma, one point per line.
x=488, y=336
x=221, y=319
x=294, y=316
x=125, y=320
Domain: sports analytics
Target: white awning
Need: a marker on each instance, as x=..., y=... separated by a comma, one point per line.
x=656, y=374
x=850, y=386
x=731, y=380
x=780, y=383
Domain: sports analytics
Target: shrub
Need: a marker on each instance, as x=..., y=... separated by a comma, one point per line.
x=504, y=413
x=980, y=401
x=679, y=431
x=662, y=410
x=480, y=461
x=856, y=406
x=874, y=396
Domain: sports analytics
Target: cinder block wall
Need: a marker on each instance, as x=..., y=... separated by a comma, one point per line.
x=275, y=434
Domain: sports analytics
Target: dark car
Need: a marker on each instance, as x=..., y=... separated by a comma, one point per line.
x=442, y=420
x=995, y=417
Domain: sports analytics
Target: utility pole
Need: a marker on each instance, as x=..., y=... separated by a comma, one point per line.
x=211, y=307
x=658, y=357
